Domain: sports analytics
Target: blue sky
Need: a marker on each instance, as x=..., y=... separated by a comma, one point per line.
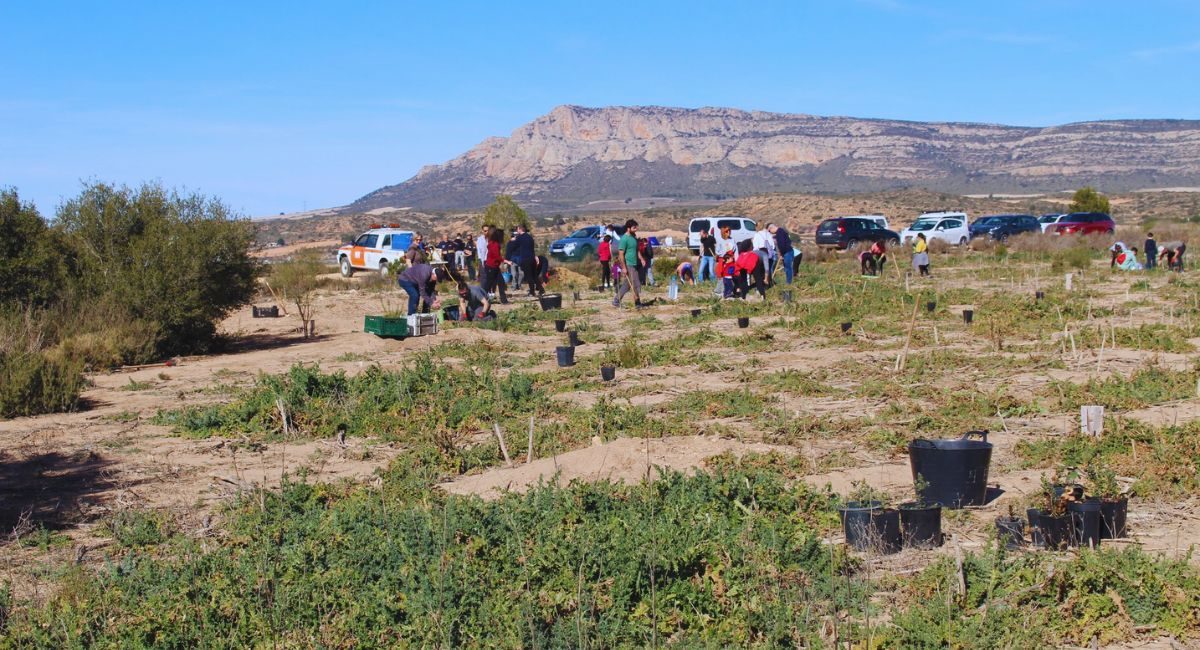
x=282, y=106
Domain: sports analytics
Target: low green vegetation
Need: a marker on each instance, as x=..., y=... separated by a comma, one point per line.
x=1145, y=387
x=1163, y=461
x=729, y=559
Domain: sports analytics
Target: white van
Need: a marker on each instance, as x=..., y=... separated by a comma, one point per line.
x=740, y=229
x=377, y=250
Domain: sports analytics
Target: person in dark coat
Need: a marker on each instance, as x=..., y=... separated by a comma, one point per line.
x=525, y=256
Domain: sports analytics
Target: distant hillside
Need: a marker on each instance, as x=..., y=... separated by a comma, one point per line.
x=799, y=211
x=574, y=155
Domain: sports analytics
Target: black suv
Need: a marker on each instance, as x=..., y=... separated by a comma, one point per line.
x=1003, y=226
x=848, y=232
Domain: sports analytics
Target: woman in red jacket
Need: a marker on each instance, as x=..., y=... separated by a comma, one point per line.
x=492, y=279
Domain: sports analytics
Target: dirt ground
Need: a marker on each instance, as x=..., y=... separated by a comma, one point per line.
x=69, y=472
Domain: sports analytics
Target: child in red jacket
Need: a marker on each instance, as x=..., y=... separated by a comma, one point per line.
x=748, y=265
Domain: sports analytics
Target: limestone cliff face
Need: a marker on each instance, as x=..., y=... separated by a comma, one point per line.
x=573, y=155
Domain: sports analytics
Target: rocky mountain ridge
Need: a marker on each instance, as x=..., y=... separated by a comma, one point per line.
x=574, y=155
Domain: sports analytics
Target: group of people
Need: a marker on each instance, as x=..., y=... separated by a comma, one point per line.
x=1125, y=257
x=738, y=266
x=627, y=264
x=501, y=261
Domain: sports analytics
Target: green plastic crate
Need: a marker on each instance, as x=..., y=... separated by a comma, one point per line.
x=385, y=327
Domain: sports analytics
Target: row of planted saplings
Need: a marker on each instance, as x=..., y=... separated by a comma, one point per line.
x=946, y=474
x=1066, y=514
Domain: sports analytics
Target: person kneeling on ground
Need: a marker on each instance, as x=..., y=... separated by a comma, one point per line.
x=474, y=303
x=1127, y=260
x=684, y=271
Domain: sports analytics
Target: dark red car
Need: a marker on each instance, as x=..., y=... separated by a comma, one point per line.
x=1084, y=223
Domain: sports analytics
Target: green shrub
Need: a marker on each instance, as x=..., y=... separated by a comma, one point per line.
x=151, y=255
x=33, y=380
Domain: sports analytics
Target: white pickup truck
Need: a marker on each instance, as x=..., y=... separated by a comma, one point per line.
x=377, y=250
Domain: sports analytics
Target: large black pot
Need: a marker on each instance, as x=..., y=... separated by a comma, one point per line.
x=921, y=525
x=551, y=301
x=871, y=527
x=955, y=471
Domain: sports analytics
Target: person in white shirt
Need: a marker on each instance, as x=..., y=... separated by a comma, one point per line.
x=725, y=243
x=481, y=245
x=764, y=244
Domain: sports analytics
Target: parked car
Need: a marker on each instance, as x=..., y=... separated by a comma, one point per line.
x=579, y=245
x=950, y=227
x=375, y=250
x=1085, y=223
x=740, y=228
x=848, y=232
x=877, y=218
x=1003, y=226
x=1047, y=221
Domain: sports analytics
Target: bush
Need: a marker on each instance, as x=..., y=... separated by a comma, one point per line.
x=180, y=262
x=33, y=381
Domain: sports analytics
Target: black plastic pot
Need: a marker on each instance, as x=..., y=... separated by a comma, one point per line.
x=551, y=301
x=575, y=295
x=786, y=295
x=871, y=527
x=560, y=325
x=921, y=525
x=1112, y=518
x=1039, y=295
x=955, y=471
x=1010, y=531
x=930, y=306
x=1085, y=522
x=1035, y=533
x=566, y=355
x=743, y=321
x=1056, y=531
x=265, y=312
x=695, y=313
x=608, y=373
x=968, y=316
x=451, y=313
x=573, y=338
x=846, y=327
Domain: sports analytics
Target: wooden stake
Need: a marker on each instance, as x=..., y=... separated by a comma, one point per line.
x=907, y=341
x=529, y=449
x=503, y=447
x=282, y=305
